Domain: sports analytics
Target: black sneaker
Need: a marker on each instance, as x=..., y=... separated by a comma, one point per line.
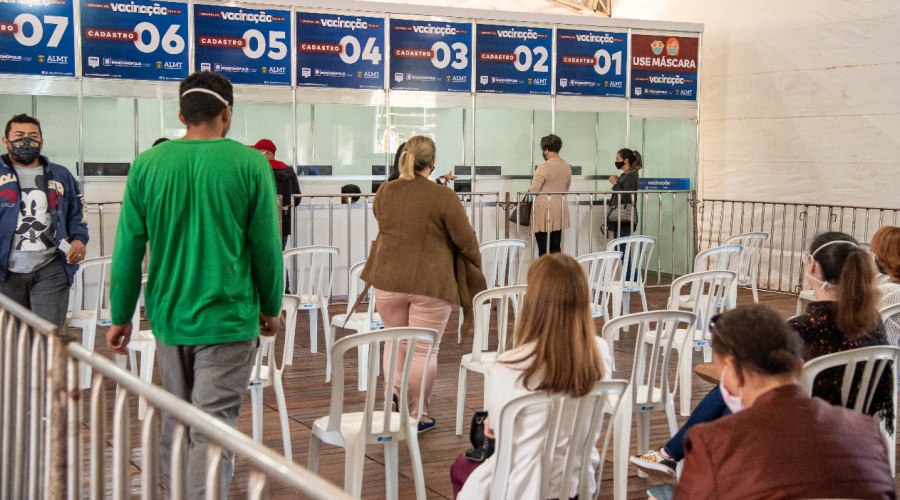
x=427, y=426
x=656, y=462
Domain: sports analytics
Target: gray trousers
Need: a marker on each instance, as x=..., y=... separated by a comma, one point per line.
x=214, y=378
x=45, y=291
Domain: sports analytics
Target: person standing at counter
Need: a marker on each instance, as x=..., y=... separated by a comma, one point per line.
x=554, y=175
x=618, y=220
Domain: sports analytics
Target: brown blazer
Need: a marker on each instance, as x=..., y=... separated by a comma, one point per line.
x=787, y=445
x=425, y=244
x=553, y=176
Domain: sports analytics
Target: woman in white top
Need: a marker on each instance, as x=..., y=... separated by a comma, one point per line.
x=886, y=248
x=559, y=352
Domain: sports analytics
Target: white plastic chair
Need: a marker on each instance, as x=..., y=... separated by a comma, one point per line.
x=311, y=283
x=575, y=421
x=479, y=360
x=890, y=316
x=707, y=290
x=362, y=322
x=92, y=274
x=267, y=373
x=864, y=359
x=722, y=258
x=636, y=252
x=353, y=431
x=501, y=261
x=650, y=388
x=143, y=342
x=602, y=269
x=751, y=251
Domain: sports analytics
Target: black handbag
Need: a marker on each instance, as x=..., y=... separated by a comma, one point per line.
x=522, y=213
x=482, y=446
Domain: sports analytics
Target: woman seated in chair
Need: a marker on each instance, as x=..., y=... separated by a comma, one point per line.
x=886, y=248
x=843, y=316
x=783, y=444
x=558, y=352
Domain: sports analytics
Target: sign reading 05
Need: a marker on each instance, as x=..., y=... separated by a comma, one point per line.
x=340, y=51
x=36, y=37
x=431, y=56
x=244, y=45
x=138, y=39
x=513, y=59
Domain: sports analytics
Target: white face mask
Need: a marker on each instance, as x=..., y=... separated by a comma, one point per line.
x=734, y=403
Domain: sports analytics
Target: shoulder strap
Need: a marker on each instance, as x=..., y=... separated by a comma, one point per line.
x=356, y=304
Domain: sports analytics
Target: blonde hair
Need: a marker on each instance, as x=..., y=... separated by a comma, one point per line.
x=418, y=154
x=556, y=316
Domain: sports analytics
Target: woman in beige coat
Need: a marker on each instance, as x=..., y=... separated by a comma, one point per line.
x=554, y=175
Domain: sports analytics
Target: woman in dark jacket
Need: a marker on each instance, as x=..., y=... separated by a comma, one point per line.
x=630, y=163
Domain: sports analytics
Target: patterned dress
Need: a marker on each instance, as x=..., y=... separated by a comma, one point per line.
x=821, y=336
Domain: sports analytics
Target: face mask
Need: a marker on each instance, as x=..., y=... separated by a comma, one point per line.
x=825, y=285
x=734, y=403
x=620, y=164
x=26, y=149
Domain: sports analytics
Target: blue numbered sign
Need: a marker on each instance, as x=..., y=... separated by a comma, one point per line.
x=513, y=59
x=138, y=39
x=590, y=63
x=431, y=56
x=37, y=37
x=340, y=51
x=243, y=45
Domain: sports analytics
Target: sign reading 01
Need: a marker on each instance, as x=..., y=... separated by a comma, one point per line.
x=243, y=45
x=513, y=59
x=431, y=56
x=340, y=51
x=664, y=67
x=36, y=37
x=140, y=39
x=590, y=63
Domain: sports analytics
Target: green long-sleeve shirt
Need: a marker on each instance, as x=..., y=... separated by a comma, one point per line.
x=209, y=211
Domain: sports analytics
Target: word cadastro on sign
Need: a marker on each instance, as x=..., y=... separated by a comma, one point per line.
x=513, y=59
x=37, y=38
x=431, y=56
x=244, y=45
x=340, y=51
x=590, y=63
x=664, y=67
x=135, y=39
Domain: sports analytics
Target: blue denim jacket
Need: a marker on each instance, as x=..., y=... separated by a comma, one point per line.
x=66, y=206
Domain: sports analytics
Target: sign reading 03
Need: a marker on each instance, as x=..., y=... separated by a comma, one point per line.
x=513, y=59
x=431, y=56
x=243, y=45
x=37, y=38
x=138, y=39
x=340, y=51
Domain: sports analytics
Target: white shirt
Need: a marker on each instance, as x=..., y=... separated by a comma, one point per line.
x=525, y=479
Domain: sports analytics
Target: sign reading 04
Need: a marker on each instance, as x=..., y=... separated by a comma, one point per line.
x=340, y=51
x=513, y=59
x=138, y=39
x=590, y=63
x=243, y=45
x=431, y=56
x=664, y=67
x=37, y=38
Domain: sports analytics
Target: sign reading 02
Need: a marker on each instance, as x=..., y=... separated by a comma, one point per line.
x=664, y=67
x=37, y=38
x=431, y=56
x=138, y=39
x=590, y=63
x=243, y=45
x=513, y=59
x=340, y=51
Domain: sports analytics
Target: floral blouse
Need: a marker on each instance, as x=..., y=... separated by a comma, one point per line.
x=821, y=336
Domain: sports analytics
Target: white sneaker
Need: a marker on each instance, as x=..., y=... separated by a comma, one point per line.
x=654, y=461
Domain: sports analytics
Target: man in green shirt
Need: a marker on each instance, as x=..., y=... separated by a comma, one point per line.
x=208, y=209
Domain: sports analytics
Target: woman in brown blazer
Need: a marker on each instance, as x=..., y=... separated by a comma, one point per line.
x=425, y=261
x=554, y=175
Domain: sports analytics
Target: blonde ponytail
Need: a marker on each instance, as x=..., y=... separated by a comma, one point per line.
x=418, y=154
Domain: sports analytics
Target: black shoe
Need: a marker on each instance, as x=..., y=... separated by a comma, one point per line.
x=427, y=426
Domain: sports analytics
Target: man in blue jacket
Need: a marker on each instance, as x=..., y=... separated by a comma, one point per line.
x=43, y=225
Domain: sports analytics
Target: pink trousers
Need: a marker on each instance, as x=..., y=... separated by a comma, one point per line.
x=405, y=309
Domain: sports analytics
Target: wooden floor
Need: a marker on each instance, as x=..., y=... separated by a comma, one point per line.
x=308, y=398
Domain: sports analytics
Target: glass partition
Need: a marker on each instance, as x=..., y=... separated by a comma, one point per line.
x=59, y=124
x=158, y=118
x=253, y=121
x=110, y=138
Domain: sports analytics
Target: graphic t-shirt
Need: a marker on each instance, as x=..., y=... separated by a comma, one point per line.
x=34, y=240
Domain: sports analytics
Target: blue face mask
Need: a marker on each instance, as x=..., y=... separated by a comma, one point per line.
x=657, y=50
x=673, y=51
